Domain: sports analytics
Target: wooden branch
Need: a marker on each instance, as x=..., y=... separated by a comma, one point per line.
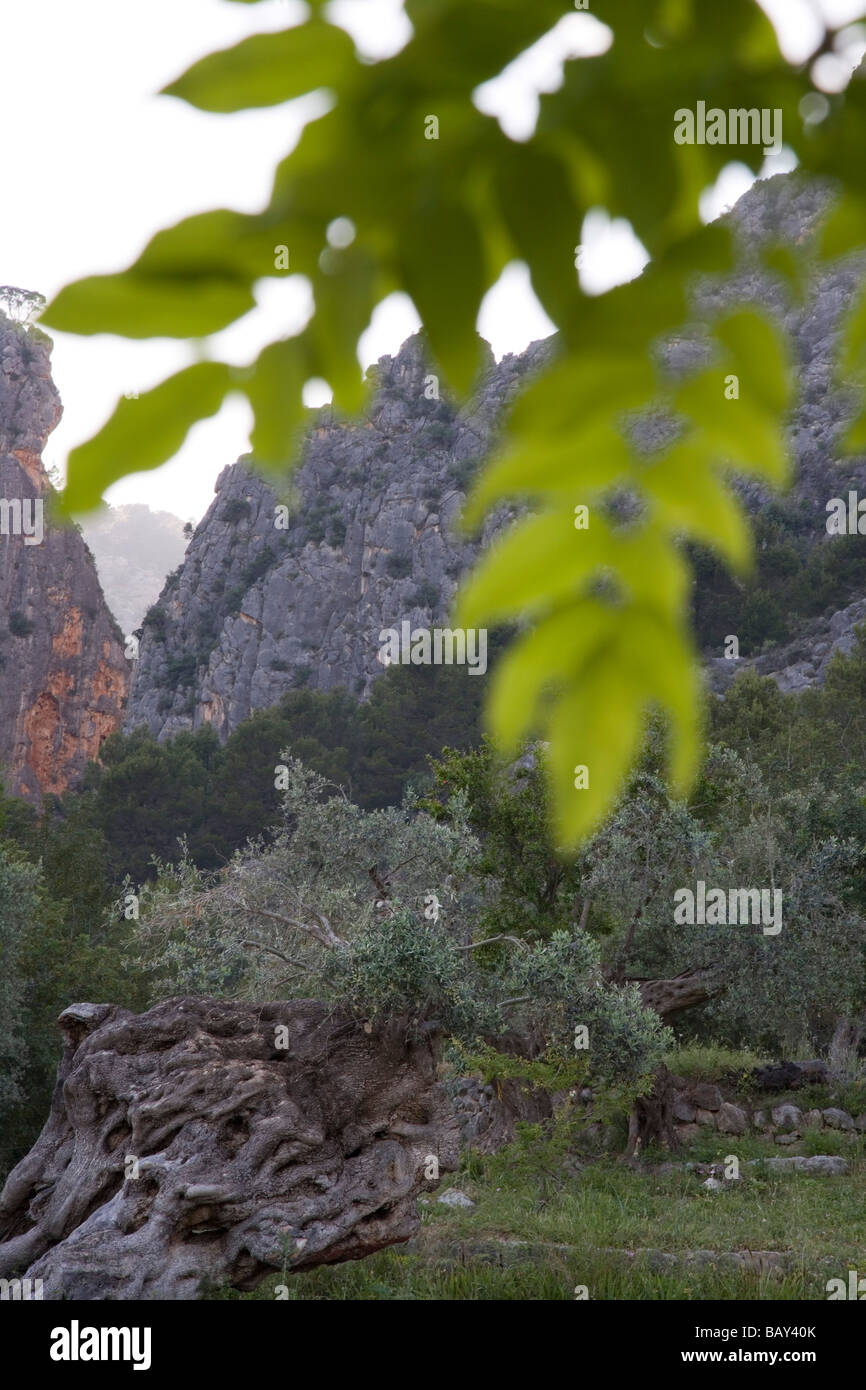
x=684, y=991
x=584, y=912
x=622, y=957
x=475, y=945
x=260, y=946
x=379, y=883
x=322, y=933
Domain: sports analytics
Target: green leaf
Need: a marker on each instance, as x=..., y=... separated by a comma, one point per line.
x=854, y=352
x=784, y=262
x=268, y=68
x=581, y=464
x=596, y=725
x=537, y=563
x=544, y=220
x=143, y=433
x=540, y=659
x=760, y=359
x=546, y=560
x=274, y=388
x=148, y=306
x=442, y=264
x=562, y=434
x=688, y=498
x=737, y=432
x=845, y=228
x=345, y=292
x=673, y=683
x=854, y=439
x=230, y=245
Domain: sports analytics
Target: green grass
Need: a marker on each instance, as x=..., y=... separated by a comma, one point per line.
x=704, y=1062
x=390, y=1275
x=552, y=1214
x=579, y=1229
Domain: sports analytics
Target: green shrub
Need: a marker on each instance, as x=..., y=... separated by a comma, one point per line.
x=399, y=564
x=235, y=508
x=19, y=624
x=426, y=595
x=399, y=970
x=155, y=620
x=462, y=472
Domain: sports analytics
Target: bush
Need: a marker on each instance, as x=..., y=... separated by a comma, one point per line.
x=426, y=595
x=19, y=624
x=258, y=566
x=399, y=564
x=462, y=471
x=401, y=970
x=155, y=620
x=235, y=508
x=180, y=670
x=336, y=532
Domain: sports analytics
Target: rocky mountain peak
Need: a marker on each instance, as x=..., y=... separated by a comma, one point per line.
x=63, y=674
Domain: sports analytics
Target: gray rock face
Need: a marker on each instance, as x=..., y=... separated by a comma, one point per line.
x=825, y=1165
x=134, y=548
x=837, y=1119
x=453, y=1198
x=731, y=1119
x=370, y=543
x=706, y=1096
x=222, y=1140
x=787, y=1118
x=64, y=675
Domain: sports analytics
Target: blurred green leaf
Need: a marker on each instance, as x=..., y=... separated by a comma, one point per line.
x=267, y=68
x=148, y=306
x=141, y=434
x=274, y=386
x=441, y=261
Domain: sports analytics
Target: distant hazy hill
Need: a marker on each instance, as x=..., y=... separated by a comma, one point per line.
x=134, y=549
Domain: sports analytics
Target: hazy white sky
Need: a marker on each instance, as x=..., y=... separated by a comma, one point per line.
x=95, y=163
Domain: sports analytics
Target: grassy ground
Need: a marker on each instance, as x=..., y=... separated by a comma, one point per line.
x=545, y=1222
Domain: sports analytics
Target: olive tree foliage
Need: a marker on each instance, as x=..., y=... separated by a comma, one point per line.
x=20, y=904
x=788, y=990
x=332, y=870
x=22, y=306
x=782, y=989
x=374, y=911
x=433, y=199
x=778, y=991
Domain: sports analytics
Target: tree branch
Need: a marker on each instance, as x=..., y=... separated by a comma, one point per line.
x=290, y=960
x=323, y=933
x=475, y=945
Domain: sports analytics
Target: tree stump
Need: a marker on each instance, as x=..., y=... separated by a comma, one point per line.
x=652, y=1118
x=222, y=1140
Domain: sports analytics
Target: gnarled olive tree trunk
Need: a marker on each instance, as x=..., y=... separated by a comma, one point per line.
x=222, y=1140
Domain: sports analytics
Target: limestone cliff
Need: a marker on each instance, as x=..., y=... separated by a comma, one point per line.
x=255, y=610
x=370, y=542
x=63, y=674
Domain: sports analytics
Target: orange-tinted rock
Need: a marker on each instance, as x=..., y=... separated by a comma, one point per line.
x=63, y=674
